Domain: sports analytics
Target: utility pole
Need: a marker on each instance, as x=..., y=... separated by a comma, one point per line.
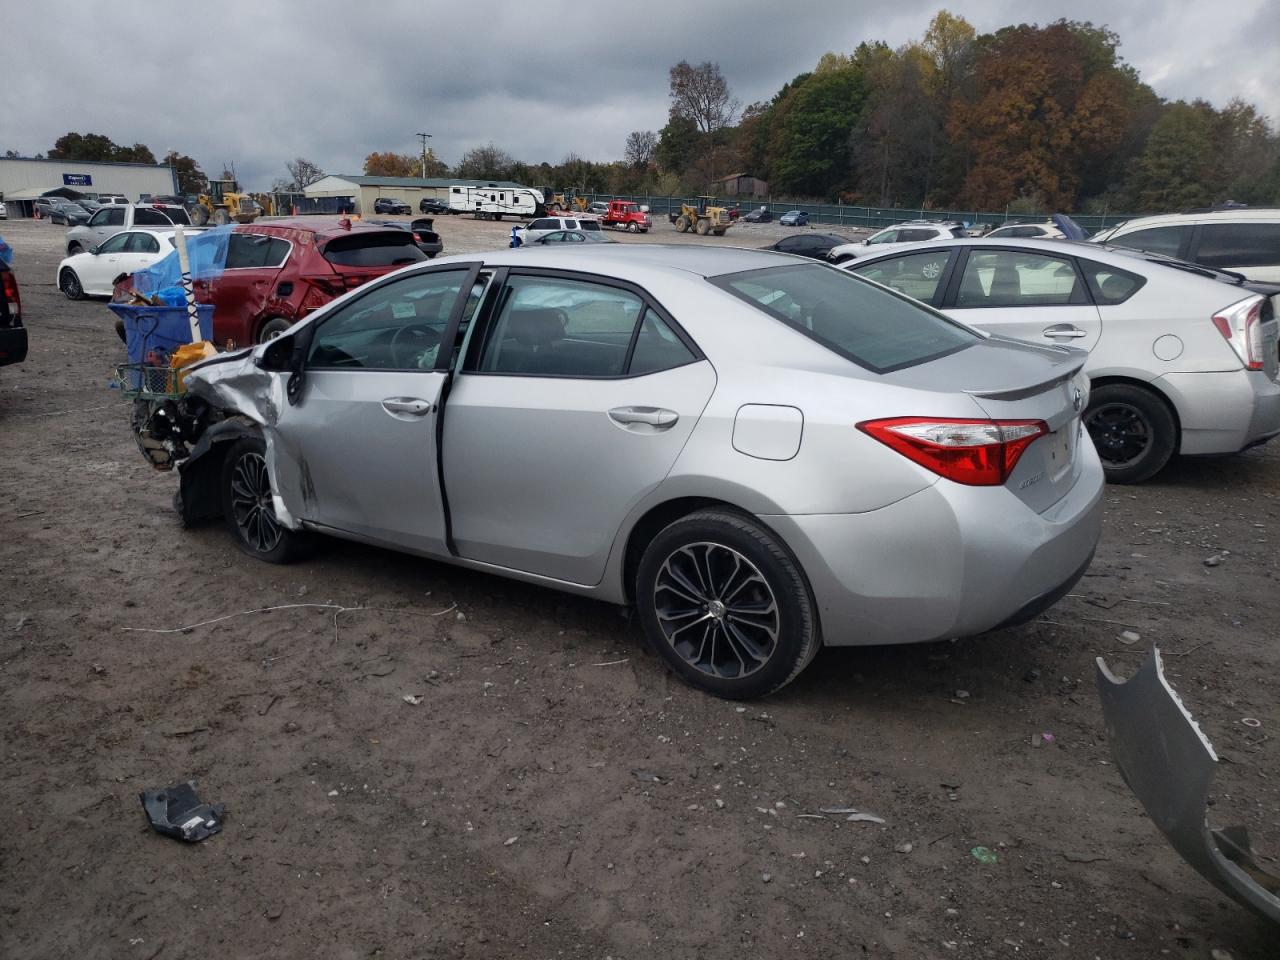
x=425, y=137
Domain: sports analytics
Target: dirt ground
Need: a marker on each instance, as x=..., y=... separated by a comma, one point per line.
x=556, y=793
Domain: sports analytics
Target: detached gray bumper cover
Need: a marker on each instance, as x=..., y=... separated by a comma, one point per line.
x=1168, y=764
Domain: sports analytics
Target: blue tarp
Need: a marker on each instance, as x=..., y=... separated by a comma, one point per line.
x=6, y=253
x=207, y=253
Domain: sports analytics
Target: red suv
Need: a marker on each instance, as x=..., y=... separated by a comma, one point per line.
x=280, y=271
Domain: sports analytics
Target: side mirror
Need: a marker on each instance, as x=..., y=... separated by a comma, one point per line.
x=278, y=356
x=93, y=250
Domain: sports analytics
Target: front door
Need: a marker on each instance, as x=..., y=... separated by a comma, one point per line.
x=1023, y=294
x=575, y=398
x=360, y=444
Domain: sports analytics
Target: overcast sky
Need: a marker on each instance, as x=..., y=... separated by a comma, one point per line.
x=332, y=81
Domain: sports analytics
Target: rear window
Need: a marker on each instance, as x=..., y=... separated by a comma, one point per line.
x=1110, y=285
x=589, y=225
x=373, y=250
x=1166, y=240
x=1234, y=245
x=249, y=251
x=849, y=316
x=148, y=217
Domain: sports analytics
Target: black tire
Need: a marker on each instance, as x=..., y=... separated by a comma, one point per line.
x=701, y=575
x=199, y=215
x=633, y=227
x=682, y=223
x=221, y=216
x=247, y=508
x=1133, y=431
x=703, y=227
x=272, y=329
x=74, y=248
x=69, y=284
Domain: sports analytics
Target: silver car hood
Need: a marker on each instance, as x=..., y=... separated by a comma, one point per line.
x=1169, y=764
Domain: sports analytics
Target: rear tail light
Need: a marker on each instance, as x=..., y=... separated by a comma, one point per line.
x=11, y=294
x=1241, y=326
x=979, y=453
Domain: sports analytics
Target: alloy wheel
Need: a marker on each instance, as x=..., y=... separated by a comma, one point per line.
x=1120, y=432
x=716, y=610
x=251, y=503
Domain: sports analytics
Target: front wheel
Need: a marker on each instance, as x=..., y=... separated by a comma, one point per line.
x=1133, y=431
x=249, y=508
x=633, y=228
x=221, y=217
x=682, y=223
x=70, y=285
x=199, y=215
x=725, y=604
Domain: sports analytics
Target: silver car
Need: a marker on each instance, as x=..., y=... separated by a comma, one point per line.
x=1182, y=359
x=763, y=455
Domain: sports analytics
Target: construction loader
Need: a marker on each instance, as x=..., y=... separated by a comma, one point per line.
x=223, y=203
x=702, y=219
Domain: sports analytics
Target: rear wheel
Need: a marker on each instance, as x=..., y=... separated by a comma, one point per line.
x=725, y=604
x=249, y=508
x=221, y=217
x=931, y=270
x=1133, y=431
x=69, y=284
x=704, y=227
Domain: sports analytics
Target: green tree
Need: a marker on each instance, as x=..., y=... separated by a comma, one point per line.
x=677, y=145
x=191, y=179
x=1179, y=166
x=810, y=137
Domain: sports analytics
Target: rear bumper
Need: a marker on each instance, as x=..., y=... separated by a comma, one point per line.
x=13, y=345
x=946, y=562
x=1223, y=412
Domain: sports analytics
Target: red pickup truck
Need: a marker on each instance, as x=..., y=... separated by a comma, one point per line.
x=626, y=215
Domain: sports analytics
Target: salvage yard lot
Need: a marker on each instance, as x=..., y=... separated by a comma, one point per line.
x=555, y=793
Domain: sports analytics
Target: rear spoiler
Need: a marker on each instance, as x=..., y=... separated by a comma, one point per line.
x=1073, y=362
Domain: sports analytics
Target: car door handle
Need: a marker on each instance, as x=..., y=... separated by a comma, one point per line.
x=1066, y=331
x=647, y=416
x=407, y=406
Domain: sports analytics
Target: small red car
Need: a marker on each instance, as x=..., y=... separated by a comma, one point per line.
x=280, y=271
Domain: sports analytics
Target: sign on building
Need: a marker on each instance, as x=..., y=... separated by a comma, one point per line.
x=77, y=180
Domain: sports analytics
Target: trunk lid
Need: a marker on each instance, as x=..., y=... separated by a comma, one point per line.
x=1013, y=380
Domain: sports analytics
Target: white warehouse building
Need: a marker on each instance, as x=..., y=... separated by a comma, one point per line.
x=365, y=190
x=22, y=180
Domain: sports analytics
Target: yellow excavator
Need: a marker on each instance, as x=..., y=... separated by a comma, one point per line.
x=223, y=203
x=702, y=219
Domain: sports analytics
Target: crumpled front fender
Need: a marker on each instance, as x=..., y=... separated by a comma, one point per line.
x=1169, y=764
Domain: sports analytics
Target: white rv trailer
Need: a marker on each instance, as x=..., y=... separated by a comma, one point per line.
x=493, y=202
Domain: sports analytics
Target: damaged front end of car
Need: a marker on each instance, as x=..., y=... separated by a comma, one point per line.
x=226, y=398
x=1169, y=765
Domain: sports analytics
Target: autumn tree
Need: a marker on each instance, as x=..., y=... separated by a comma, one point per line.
x=640, y=147
x=391, y=164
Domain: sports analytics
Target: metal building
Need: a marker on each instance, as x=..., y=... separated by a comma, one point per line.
x=22, y=180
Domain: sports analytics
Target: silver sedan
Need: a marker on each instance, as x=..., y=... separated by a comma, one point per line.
x=762, y=454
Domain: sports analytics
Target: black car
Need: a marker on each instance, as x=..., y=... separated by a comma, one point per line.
x=13, y=335
x=68, y=212
x=391, y=205
x=423, y=230
x=814, y=245
x=432, y=205
x=762, y=215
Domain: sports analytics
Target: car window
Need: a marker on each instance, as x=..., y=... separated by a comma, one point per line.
x=589, y=225
x=148, y=217
x=177, y=214
x=99, y=219
x=1239, y=245
x=958, y=232
x=142, y=243
x=115, y=217
x=1166, y=240
x=384, y=249
x=916, y=274
x=1110, y=285
x=255, y=251
x=543, y=225
x=548, y=326
x=396, y=326
x=790, y=244
x=889, y=236
x=570, y=224
x=657, y=347
x=1018, y=278
x=859, y=321
x=916, y=233
x=114, y=244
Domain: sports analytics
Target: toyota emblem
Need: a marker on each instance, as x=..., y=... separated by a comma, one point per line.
x=1077, y=398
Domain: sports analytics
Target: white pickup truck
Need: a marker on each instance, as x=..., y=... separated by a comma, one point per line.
x=111, y=220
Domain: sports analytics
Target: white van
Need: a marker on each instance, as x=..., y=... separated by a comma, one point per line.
x=494, y=202
x=1240, y=239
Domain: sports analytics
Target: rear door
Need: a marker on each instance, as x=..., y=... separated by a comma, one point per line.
x=360, y=442
x=1023, y=293
x=576, y=395
x=240, y=291
x=1251, y=248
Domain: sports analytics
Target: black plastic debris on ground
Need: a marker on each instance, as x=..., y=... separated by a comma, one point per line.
x=177, y=812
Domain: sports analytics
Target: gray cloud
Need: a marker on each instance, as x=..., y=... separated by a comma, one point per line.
x=332, y=80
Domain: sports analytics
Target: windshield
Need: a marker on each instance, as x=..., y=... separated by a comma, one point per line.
x=858, y=320
x=373, y=250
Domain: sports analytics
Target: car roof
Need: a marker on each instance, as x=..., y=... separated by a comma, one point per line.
x=1232, y=214
x=622, y=260
x=322, y=228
